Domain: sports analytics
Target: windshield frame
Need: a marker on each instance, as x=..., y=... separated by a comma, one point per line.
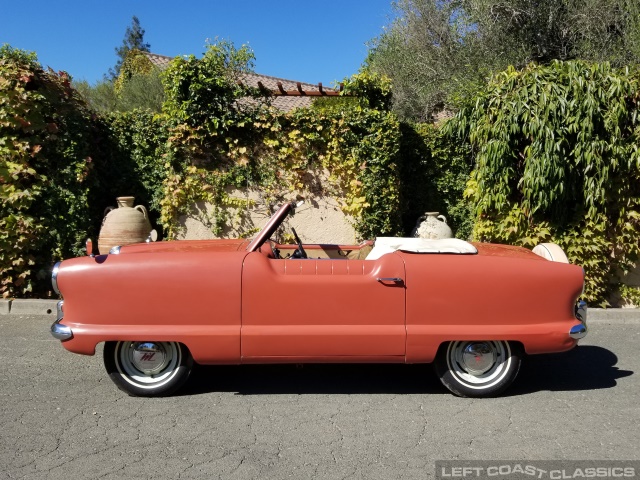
x=272, y=225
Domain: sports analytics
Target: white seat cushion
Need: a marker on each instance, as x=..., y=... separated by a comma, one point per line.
x=420, y=245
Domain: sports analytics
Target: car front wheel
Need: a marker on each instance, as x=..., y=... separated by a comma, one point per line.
x=147, y=369
x=478, y=368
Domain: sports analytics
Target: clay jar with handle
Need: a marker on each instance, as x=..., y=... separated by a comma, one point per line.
x=123, y=225
x=431, y=225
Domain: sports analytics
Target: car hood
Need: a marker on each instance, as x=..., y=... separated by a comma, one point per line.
x=218, y=245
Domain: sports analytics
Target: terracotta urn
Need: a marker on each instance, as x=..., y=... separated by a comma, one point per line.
x=123, y=225
x=431, y=225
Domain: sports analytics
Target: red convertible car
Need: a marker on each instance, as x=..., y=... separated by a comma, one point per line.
x=473, y=310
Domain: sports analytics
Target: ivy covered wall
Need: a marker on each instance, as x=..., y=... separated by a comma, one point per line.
x=65, y=165
x=556, y=153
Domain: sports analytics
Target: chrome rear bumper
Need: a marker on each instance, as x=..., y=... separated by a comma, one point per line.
x=58, y=330
x=580, y=331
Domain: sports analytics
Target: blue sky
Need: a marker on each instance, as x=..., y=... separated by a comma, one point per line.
x=305, y=41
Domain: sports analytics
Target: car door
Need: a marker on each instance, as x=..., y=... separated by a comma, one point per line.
x=323, y=308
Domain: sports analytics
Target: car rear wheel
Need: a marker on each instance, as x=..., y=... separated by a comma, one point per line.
x=478, y=368
x=147, y=369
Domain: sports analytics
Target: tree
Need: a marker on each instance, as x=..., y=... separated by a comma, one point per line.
x=133, y=83
x=133, y=40
x=438, y=52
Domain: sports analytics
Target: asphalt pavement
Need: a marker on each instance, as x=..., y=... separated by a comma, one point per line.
x=62, y=418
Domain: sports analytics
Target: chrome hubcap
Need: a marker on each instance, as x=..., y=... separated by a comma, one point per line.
x=148, y=357
x=478, y=358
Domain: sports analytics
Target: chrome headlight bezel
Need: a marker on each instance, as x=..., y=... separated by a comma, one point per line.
x=54, y=278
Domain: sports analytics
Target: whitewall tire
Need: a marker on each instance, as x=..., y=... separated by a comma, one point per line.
x=147, y=369
x=478, y=368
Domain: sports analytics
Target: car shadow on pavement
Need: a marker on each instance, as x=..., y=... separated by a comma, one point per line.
x=583, y=368
x=313, y=379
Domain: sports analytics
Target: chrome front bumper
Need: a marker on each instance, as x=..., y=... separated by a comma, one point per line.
x=580, y=331
x=58, y=330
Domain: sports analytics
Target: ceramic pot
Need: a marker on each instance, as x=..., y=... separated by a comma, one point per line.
x=123, y=225
x=431, y=225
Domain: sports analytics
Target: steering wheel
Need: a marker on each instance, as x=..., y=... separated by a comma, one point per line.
x=299, y=253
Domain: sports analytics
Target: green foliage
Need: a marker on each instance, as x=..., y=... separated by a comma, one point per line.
x=133, y=40
x=134, y=146
x=139, y=91
x=593, y=30
x=372, y=90
x=630, y=295
x=438, y=53
x=137, y=87
x=135, y=63
x=133, y=84
x=203, y=93
x=101, y=97
x=435, y=170
x=60, y=166
x=432, y=52
x=557, y=159
x=45, y=164
x=209, y=120
x=224, y=135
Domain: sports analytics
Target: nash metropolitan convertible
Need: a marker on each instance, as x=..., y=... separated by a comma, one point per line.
x=473, y=310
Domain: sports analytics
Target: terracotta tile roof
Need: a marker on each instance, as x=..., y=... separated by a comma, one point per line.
x=285, y=103
x=160, y=61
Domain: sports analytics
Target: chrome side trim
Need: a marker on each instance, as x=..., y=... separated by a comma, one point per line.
x=54, y=277
x=115, y=250
x=60, y=331
x=60, y=313
x=578, y=331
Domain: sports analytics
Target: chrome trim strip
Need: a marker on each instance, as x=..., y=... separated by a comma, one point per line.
x=115, y=250
x=60, y=331
x=578, y=331
x=54, y=277
x=60, y=313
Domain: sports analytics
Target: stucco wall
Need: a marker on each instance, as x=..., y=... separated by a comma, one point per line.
x=318, y=220
x=631, y=279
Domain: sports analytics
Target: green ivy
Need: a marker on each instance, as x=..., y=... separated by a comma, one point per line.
x=435, y=171
x=557, y=159
x=224, y=134
x=45, y=171
x=62, y=167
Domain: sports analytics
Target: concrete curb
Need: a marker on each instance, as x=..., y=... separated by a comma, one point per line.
x=5, y=307
x=613, y=315
x=28, y=306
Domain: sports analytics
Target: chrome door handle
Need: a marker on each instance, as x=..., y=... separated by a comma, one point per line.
x=390, y=279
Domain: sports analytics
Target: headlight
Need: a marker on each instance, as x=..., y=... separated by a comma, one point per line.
x=54, y=277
